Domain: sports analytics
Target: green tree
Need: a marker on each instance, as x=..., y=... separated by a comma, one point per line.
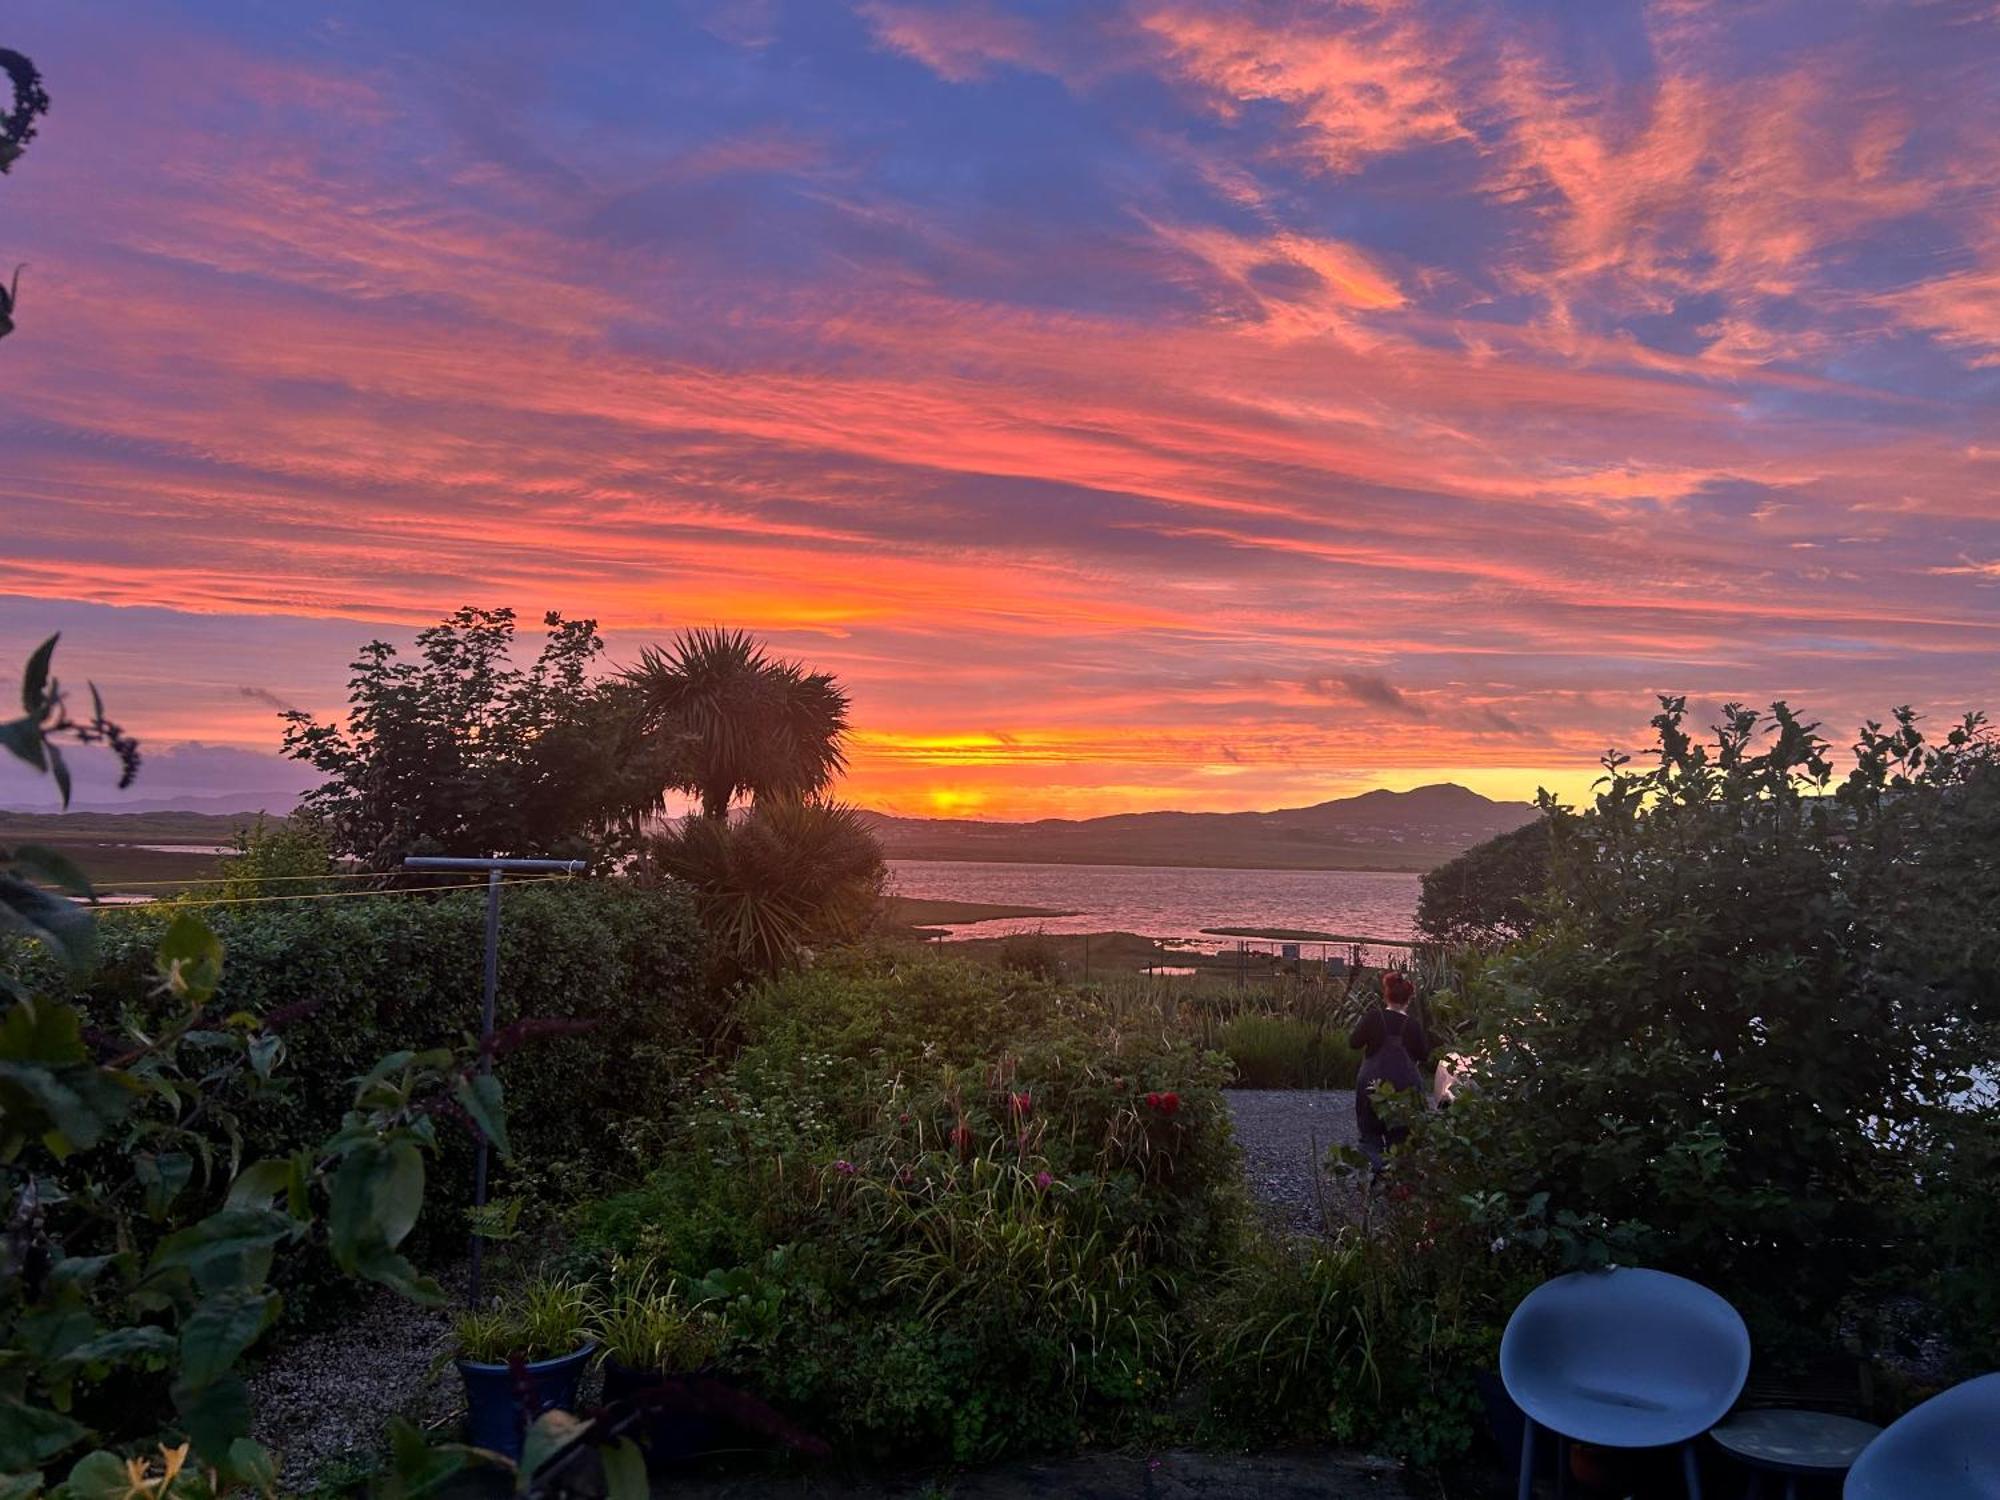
x=460, y=752
x=738, y=722
x=1488, y=894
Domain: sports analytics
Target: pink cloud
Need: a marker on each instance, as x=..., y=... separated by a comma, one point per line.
x=959, y=41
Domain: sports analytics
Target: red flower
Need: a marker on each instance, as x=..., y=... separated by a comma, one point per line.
x=1021, y=1105
x=1168, y=1104
x=961, y=1137
x=903, y=1119
x=1153, y=1101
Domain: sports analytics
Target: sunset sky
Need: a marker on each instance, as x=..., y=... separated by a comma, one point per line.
x=1138, y=404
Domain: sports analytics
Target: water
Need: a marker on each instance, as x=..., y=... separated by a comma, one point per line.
x=1168, y=903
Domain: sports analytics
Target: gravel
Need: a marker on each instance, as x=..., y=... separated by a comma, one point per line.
x=1285, y=1134
x=328, y=1397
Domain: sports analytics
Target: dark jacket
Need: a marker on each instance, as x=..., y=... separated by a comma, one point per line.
x=1368, y=1037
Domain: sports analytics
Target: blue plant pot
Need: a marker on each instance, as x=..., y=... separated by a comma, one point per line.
x=672, y=1436
x=499, y=1407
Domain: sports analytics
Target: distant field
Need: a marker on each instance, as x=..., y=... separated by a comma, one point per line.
x=125, y=828
x=118, y=867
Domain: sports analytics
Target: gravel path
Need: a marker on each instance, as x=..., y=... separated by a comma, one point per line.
x=325, y=1399
x=1284, y=1134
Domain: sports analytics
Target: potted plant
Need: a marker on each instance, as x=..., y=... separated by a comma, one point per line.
x=653, y=1343
x=521, y=1357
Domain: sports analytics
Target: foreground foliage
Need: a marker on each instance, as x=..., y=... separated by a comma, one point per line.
x=1751, y=1022
x=616, y=970
x=124, y=1312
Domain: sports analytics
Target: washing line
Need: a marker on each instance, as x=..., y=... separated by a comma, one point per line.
x=475, y=885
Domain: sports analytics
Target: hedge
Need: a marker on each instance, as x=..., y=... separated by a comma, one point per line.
x=376, y=974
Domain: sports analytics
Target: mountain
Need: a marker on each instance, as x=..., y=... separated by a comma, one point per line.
x=1379, y=830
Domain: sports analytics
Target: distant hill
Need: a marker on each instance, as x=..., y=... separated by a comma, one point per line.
x=1379, y=830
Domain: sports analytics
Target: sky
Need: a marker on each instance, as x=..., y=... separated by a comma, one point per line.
x=1137, y=403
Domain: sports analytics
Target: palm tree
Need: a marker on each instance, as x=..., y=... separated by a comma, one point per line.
x=790, y=876
x=740, y=720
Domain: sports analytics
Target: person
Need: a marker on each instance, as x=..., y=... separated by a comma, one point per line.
x=1393, y=1045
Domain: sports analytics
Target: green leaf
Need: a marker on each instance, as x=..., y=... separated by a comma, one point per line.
x=99, y=1476
x=22, y=1486
x=70, y=1108
x=23, y=738
x=59, y=769
x=119, y=1344
x=264, y=1053
x=416, y=1468
x=251, y=1465
x=31, y=1435
x=624, y=1471
x=394, y=1271
x=374, y=1199
x=35, y=677
x=54, y=867
x=162, y=1177
x=230, y=1248
x=260, y=1182
x=218, y=1331
x=189, y=959
x=480, y=1097
x=215, y=1415
x=551, y=1433
x=65, y=926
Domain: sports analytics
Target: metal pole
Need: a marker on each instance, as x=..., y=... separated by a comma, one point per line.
x=486, y=1007
x=489, y=999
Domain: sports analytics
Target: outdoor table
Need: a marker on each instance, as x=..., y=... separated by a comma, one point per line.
x=1796, y=1444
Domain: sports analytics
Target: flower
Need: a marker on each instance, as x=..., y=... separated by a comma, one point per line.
x=1164, y=1103
x=1044, y=1181
x=845, y=1168
x=1021, y=1105
x=903, y=1118
x=961, y=1137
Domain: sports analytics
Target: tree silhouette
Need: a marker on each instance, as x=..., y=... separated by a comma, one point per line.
x=737, y=721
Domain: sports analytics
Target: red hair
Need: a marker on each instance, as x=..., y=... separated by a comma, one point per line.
x=1396, y=990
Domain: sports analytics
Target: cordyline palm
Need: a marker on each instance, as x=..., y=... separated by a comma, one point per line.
x=741, y=721
x=790, y=875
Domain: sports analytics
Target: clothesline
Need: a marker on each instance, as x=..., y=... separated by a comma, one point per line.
x=470, y=885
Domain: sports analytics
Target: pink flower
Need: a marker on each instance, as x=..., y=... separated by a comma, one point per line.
x=961, y=1137
x=845, y=1168
x=1044, y=1181
x=903, y=1119
x=1021, y=1105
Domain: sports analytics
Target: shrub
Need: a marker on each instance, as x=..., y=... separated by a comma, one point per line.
x=1283, y=1052
x=946, y=1207
x=1032, y=953
x=345, y=980
x=1738, y=1025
